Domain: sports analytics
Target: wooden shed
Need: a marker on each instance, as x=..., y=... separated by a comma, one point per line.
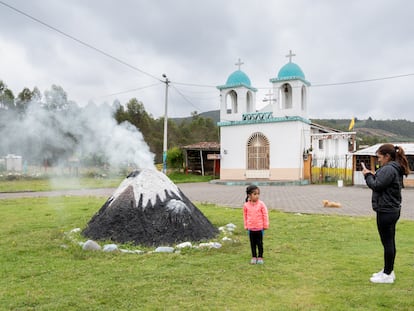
x=202, y=158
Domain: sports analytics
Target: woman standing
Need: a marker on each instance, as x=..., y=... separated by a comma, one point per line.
x=386, y=184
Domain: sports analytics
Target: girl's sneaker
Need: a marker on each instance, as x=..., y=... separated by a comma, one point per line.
x=260, y=261
x=253, y=261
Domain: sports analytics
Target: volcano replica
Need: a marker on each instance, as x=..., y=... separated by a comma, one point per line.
x=149, y=209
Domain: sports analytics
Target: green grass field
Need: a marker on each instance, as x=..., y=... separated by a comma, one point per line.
x=65, y=183
x=312, y=262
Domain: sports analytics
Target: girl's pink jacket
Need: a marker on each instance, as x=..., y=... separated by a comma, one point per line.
x=255, y=216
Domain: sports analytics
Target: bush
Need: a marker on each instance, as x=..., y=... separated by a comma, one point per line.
x=175, y=158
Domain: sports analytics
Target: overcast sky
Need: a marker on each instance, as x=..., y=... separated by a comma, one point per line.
x=197, y=43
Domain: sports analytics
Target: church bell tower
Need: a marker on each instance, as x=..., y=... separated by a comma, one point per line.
x=291, y=91
x=237, y=96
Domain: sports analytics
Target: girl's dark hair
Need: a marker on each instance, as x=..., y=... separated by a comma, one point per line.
x=397, y=154
x=249, y=190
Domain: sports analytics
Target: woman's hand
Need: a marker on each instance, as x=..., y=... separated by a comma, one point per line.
x=365, y=170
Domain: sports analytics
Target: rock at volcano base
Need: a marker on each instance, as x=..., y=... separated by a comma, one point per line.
x=149, y=209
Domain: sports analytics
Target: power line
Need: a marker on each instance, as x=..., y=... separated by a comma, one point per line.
x=131, y=90
x=177, y=83
x=350, y=82
x=80, y=41
x=363, y=81
x=192, y=84
x=185, y=98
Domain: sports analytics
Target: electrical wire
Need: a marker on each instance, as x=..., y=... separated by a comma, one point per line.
x=129, y=91
x=185, y=98
x=363, y=81
x=80, y=41
x=177, y=83
x=192, y=84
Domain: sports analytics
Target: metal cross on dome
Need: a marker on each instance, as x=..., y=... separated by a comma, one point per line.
x=290, y=55
x=239, y=63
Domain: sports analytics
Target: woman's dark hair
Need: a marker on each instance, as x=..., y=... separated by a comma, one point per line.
x=397, y=154
x=249, y=190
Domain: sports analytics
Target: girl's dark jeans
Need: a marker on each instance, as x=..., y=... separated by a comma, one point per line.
x=256, y=242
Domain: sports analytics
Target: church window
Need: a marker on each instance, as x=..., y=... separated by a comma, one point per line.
x=231, y=102
x=258, y=152
x=286, y=96
x=249, y=102
x=303, y=98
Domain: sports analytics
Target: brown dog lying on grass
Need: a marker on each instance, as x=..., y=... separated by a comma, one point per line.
x=327, y=203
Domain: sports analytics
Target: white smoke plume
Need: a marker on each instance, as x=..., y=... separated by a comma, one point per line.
x=40, y=134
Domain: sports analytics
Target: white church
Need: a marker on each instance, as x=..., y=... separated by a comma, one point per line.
x=277, y=142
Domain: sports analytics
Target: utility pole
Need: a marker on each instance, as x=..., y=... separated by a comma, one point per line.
x=164, y=154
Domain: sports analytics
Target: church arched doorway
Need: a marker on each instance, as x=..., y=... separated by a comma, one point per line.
x=258, y=156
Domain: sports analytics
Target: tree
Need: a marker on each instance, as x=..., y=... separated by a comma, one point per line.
x=56, y=98
x=6, y=97
x=138, y=116
x=26, y=97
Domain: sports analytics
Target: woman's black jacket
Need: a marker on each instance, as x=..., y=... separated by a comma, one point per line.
x=386, y=187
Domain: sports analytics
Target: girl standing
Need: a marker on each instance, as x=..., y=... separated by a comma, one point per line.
x=256, y=220
x=386, y=184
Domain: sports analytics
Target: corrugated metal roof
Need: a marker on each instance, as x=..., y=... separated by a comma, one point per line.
x=408, y=149
x=205, y=145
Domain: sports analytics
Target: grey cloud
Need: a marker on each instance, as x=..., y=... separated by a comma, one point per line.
x=199, y=42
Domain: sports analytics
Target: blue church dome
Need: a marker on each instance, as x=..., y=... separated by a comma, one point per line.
x=289, y=71
x=238, y=78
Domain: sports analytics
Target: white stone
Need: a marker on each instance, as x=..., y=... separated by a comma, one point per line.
x=184, y=245
x=164, y=249
x=215, y=245
x=129, y=251
x=90, y=245
x=110, y=248
x=231, y=227
x=210, y=245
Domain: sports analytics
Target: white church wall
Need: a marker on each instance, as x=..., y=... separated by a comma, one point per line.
x=233, y=152
x=233, y=143
x=286, y=159
x=287, y=142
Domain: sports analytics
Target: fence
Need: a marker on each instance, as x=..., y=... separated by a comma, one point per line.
x=331, y=169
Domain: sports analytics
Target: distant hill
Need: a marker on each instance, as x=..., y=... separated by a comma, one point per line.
x=213, y=114
x=370, y=131
x=377, y=130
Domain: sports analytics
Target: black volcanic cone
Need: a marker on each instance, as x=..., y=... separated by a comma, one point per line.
x=148, y=209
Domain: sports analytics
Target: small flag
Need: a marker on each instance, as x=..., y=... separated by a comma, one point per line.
x=351, y=124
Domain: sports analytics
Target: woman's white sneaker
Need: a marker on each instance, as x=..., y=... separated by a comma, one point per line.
x=378, y=273
x=382, y=271
x=382, y=278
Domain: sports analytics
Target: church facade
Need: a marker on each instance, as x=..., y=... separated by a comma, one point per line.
x=278, y=142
